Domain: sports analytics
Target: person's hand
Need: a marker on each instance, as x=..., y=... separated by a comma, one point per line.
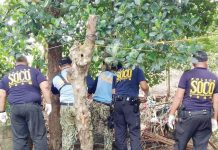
x=3, y=117
x=89, y=96
x=171, y=121
x=48, y=108
x=214, y=124
x=142, y=99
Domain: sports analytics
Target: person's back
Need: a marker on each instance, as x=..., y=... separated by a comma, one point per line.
x=100, y=107
x=128, y=80
x=61, y=86
x=23, y=85
x=195, y=100
x=200, y=85
x=103, y=92
x=126, y=106
x=64, y=87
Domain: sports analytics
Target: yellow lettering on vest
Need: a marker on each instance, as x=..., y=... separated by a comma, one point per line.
x=124, y=74
x=19, y=77
x=193, y=87
x=211, y=88
x=28, y=77
x=11, y=80
x=200, y=86
x=106, y=79
x=206, y=87
x=118, y=76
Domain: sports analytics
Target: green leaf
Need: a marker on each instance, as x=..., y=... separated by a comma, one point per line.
x=134, y=54
x=100, y=42
x=47, y=2
x=160, y=36
x=97, y=2
x=137, y=2
x=109, y=60
x=141, y=58
x=73, y=7
x=141, y=33
x=118, y=19
x=152, y=34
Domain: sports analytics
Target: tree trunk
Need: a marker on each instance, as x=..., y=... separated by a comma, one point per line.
x=168, y=81
x=81, y=56
x=54, y=55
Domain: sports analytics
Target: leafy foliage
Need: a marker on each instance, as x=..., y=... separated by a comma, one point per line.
x=128, y=31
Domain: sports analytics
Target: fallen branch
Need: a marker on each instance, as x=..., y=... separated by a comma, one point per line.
x=157, y=138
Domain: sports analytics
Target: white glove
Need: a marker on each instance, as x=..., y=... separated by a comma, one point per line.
x=154, y=120
x=214, y=125
x=48, y=108
x=3, y=117
x=171, y=121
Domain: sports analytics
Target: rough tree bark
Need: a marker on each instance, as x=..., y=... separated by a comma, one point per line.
x=168, y=81
x=81, y=56
x=54, y=55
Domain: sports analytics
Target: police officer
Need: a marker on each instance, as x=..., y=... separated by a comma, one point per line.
x=101, y=105
x=198, y=93
x=60, y=85
x=126, y=107
x=22, y=85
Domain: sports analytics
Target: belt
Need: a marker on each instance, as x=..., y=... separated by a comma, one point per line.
x=194, y=113
x=121, y=98
x=66, y=104
x=34, y=102
x=101, y=102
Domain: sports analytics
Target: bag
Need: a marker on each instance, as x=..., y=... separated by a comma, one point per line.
x=56, y=91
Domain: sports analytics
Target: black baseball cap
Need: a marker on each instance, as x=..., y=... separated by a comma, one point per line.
x=199, y=56
x=64, y=61
x=21, y=58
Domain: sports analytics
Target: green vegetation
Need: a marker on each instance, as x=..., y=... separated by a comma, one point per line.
x=155, y=34
x=127, y=31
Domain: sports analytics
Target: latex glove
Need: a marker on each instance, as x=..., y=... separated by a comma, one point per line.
x=171, y=121
x=214, y=125
x=3, y=117
x=48, y=108
x=154, y=120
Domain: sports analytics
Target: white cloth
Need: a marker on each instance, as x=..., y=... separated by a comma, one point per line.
x=3, y=117
x=214, y=125
x=171, y=121
x=48, y=108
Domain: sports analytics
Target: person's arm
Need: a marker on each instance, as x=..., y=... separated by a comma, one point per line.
x=114, y=85
x=215, y=101
x=215, y=106
x=92, y=84
x=176, y=103
x=3, y=96
x=177, y=100
x=144, y=86
x=142, y=81
x=44, y=86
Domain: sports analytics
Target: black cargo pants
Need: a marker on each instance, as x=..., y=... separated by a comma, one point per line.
x=197, y=127
x=27, y=119
x=125, y=119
